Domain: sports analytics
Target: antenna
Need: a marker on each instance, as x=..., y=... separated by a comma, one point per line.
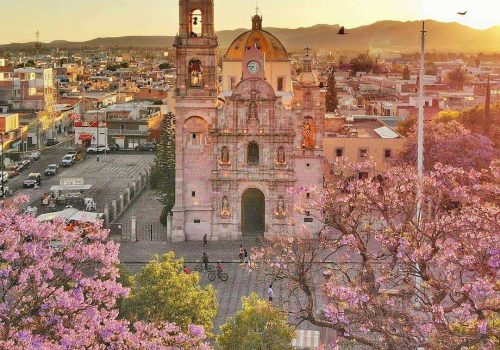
x=38, y=45
x=257, y=8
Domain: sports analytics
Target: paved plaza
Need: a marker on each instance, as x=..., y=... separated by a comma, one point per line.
x=241, y=282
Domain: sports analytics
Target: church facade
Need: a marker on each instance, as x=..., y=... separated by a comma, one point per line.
x=241, y=146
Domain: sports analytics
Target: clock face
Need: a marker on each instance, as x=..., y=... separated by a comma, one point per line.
x=253, y=67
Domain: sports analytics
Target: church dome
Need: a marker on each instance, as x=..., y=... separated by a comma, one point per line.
x=268, y=43
x=308, y=78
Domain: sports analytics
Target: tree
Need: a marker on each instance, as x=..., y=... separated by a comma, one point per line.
x=406, y=73
x=259, y=325
x=371, y=250
x=165, y=65
x=457, y=78
x=363, y=63
x=59, y=290
x=165, y=162
x=449, y=143
x=332, y=101
x=162, y=292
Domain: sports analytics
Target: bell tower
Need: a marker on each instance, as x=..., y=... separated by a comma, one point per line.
x=196, y=114
x=196, y=43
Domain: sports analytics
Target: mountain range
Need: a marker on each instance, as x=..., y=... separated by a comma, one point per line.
x=382, y=35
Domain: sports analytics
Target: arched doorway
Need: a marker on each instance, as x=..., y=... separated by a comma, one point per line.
x=253, y=212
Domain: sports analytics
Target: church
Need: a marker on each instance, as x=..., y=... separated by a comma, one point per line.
x=243, y=143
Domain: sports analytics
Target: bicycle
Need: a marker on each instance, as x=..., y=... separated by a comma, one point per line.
x=222, y=276
x=200, y=267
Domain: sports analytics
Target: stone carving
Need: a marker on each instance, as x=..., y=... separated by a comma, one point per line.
x=280, y=208
x=281, y=155
x=252, y=112
x=224, y=158
x=225, y=207
x=307, y=134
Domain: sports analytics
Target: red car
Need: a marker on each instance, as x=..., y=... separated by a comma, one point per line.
x=12, y=170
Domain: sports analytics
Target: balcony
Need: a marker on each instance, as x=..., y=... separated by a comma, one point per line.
x=126, y=132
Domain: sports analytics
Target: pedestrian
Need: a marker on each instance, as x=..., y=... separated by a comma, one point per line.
x=241, y=254
x=245, y=255
x=205, y=260
x=186, y=270
x=205, y=240
x=270, y=292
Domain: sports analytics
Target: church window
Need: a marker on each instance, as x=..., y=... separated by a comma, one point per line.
x=281, y=84
x=193, y=194
x=339, y=152
x=195, y=23
x=388, y=153
x=363, y=153
x=195, y=73
x=281, y=155
x=253, y=153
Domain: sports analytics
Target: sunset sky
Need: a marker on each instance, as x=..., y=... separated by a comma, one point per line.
x=78, y=20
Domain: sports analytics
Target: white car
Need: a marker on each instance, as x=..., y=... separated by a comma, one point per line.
x=35, y=155
x=98, y=149
x=4, y=176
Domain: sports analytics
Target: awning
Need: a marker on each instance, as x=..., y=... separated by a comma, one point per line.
x=85, y=137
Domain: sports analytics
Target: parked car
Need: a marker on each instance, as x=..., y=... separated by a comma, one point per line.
x=98, y=149
x=148, y=146
x=68, y=160
x=4, y=176
x=32, y=180
x=79, y=155
x=22, y=164
x=12, y=170
x=35, y=155
x=51, y=142
x=114, y=146
x=52, y=169
x=28, y=160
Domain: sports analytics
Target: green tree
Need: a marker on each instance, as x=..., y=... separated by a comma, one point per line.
x=259, y=325
x=406, y=73
x=162, y=292
x=363, y=63
x=457, y=78
x=165, y=65
x=165, y=163
x=332, y=101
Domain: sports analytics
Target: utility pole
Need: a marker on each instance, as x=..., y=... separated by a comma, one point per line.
x=97, y=132
x=2, y=193
x=420, y=154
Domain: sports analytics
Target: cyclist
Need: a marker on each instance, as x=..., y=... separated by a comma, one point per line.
x=219, y=267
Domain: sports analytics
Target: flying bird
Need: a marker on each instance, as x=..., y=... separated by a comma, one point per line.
x=342, y=31
x=462, y=13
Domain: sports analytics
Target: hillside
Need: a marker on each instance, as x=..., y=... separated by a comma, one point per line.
x=383, y=35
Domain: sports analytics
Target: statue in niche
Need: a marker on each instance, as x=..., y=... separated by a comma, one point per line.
x=280, y=208
x=224, y=155
x=252, y=112
x=225, y=206
x=307, y=135
x=281, y=155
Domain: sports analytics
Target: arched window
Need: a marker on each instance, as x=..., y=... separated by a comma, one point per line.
x=253, y=153
x=195, y=27
x=195, y=73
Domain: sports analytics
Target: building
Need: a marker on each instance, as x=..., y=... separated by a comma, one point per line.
x=11, y=132
x=127, y=125
x=361, y=138
x=237, y=159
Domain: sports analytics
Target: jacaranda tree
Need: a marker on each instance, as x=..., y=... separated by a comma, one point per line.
x=59, y=290
x=378, y=276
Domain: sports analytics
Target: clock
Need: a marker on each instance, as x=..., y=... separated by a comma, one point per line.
x=253, y=67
